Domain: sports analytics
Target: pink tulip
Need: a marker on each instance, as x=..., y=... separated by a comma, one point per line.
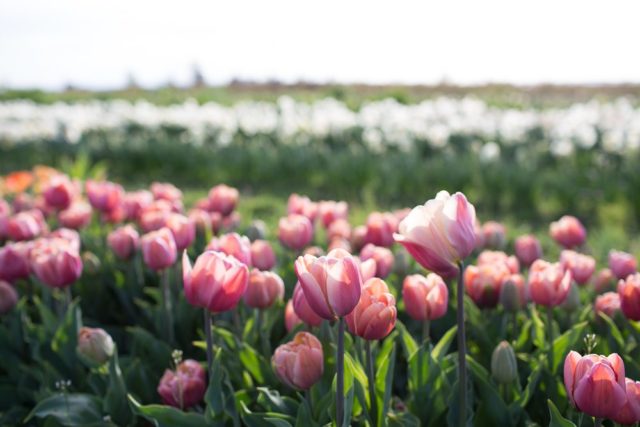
x=339, y=229
x=264, y=288
x=440, y=233
x=159, y=249
x=295, y=231
x=23, y=202
x=528, y=249
x=59, y=192
x=358, y=236
x=8, y=297
x=201, y=219
x=291, y=319
x=184, y=387
x=622, y=264
x=568, y=231
x=71, y=236
x=302, y=205
x=216, y=282
x=303, y=309
x=607, y=303
x=330, y=211
x=123, y=241
x=339, y=244
x=374, y=316
x=5, y=208
x=223, y=199
x=135, y=202
x=183, y=230
x=425, y=298
x=383, y=258
x=581, y=266
x=24, y=226
x=595, y=384
x=104, y=195
x=165, y=191
x=483, y=283
x=498, y=257
x=330, y=283
x=56, y=263
x=495, y=234
x=380, y=229
x=14, y=261
x=76, y=216
x=299, y=363
x=233, y=245
x=262, y=255
x=604, y=281
x=513, y=293
x=629, y=291
x=153, y=220
x=630, y=412
x=114, y=216
x=549, y=284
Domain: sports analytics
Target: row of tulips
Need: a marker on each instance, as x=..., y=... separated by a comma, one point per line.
x=339, y=288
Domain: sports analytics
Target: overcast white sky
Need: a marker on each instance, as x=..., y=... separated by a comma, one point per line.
x=97, y=43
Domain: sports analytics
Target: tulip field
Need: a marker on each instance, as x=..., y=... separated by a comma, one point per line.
x=146, y=305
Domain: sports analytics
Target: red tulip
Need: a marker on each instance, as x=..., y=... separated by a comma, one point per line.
x=495, y=234
x=440, y=233
x=56, y=263
x=595, y=384
x=630, y=412
x=528, y=249
x=183, y=230
x=76, y=216
x=425, y=298
x=234, y=245
x=380, y=229
x=216, y=281
x=223, y=199
x=330, y=211
x=123, y=241
x=262, y=255
x=295, y=231
x=374, y=316
x=264, y=288
x=622, y=264
x=568, y=231
x=159, y=249
x=498, y=257
x=8, y=297
x=303, y=309
x=302, y=205
x=299, y=363
x=549, y=284
x=581, y=266
x=291, y=319
x=629, y=291
x=483, y=283
x=104, y=195
x=383, y=258
x=59, y=192
x=14, y=261
x=607, y=303
x=184, y=387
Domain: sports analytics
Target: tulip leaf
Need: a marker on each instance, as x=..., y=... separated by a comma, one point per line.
x=614, y=333
x=532, y=383
x=402, y=419
x=492, y=409
x=440, y=350
x=167, y=416
x=115, y=402
x=65, y=339
x=537, y=328
x=565, y=342
x=264, y=419
x=384, y=385
x=257, y=366
x=304, y=418
x=408, y=343
x=150, y=349
x=214, y=396
x=524, y=337
x=69, y=409
x=273, y=401
x=557, y=420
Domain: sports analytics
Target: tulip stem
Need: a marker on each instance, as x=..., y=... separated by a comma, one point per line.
x=514, y=325
x=372, y=381
x=462, y=349
x=550, y=333
x=426, y=328
x=340, y=374
x=209, y=339
x=67, y=298
x=166, y=301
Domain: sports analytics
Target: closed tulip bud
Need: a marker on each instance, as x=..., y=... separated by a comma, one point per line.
x=216, y=282
x=549, y=284
x=262, y=255
x=495, y=235
x=629, y=291
x=104, y=195
x=440, y=233
x=302, y=205
x=8, y=297
x=622, y=264
x=299, y=363
x=95, y=346
x=581, y=266
x=607, y=303
x=56, y=263
x=123, y=241
x=303, y=309
x=425, y=298
x=223, y=199
x=504, y=368
x=484, y=282
x=233, y=245
x=159, y=249
x=76, y=216
x=382, y=256
x=513, y=293
x=295, y=231
x=339, y=229
x=330, y=211
x=14, y=261
x=568, y=231
x=604, y=281
x=184, y=387
x=374, y=316
x=165, y=191
x=499, y=257
x=630, y=412
x=60, y=192
x=291, y=319
x=595, y=384
x=528, y=249
x=380, y=229
x=331, y=283
x=572, y=302
x=24, y=226
x=183, y=230
x=257, y=230
x=265, y=287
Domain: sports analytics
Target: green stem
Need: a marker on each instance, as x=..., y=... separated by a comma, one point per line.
x=372, y=381
x=550, y=333
x=340, y=375
x=307, y=395
x=514, y=325
x=426, y=328
x=462, y=349
x=166, y=301
x=209, y=339
x=262, y=331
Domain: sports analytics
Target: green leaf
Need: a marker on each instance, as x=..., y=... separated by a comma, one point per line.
x=557, y=420
x=272, y=401
x=116, y=403
x=304, y=418
x=614, y=333
x=65, y=339
x=264, y=419
x=384, y=384
x=257, y=366
x=408, y=343
x=69, y=409
x=402, y=419
x=565, y=342
x=167, y=416
x=532, y=383
x=278, y=422
x=492, y=409
x=537, y=328
x=214, y=397
x=440, y=350
x=153, y=351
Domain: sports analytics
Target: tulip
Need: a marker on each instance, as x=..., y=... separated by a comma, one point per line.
x=165, y=191
x=302, y=205
x=263, y=290
x=604, y=281
x=104, y=195
x=24, y=226
x=607, y=303
x=513, y=293
x=56, y=263
x=581, y=266
x=630, y=411
x=223, y=199
x=152, y=219
x=425, y=298
x=231, y=221
x=135, y=202
x=595, y=384
x=291, y=319
x=71, y=236
x=95, y=346
x=498, y=257
x=5, y=208
x=299, y=363
x=330, y=211
x=201, y=219
x=528, y=249
x=380, y=229
x=8, y=297
x=123, y=241
x=60, y=192
x=483, y=283
x=159, y=249
x=262, y=255
x=374, y=316
x=504, y=368
x=233, y=245
x=622, y=264
x=76, y=216
x=358, y=236
x=549, y=284
x=495, y=234
x=183, y=230
x=14, y=261
x=629, y=291
x=383, y=258
x=23, y=202
x=568, y=231
x=339, y=229
x=184, y=387
x=295, y=231
x=302, y=308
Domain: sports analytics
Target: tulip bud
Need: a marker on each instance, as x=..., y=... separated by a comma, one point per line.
x=568, y=231
x=14, y=261
x=159, y=249
x=183, y=230
x=184, y=387
x=295, y=231
x=581, y=266
x=499, y=257
x=76, y=216
x=8, y=297
x=95, y=346
x=528, y=249
x=374, y=316
x=549, y=284
x=629, y=291
x=330, y=211
x=123, y=241
x=264, y=288
x=223, y=199
x=299, y=363
x=56, y=263
x=165, y=191
x=233, y=245
x=59, y=192
x=257, y=230
x=484, y=282
x=607, y=303
x=495, y=235
x=425, y=298
x=302, y=308
x=302, y=205
x=622, y=264
x=380, y=229
x=104, y=196
x=630, y=412
x=513, y=293
x=262, y=255
x=382, y=256
x=504, y=368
